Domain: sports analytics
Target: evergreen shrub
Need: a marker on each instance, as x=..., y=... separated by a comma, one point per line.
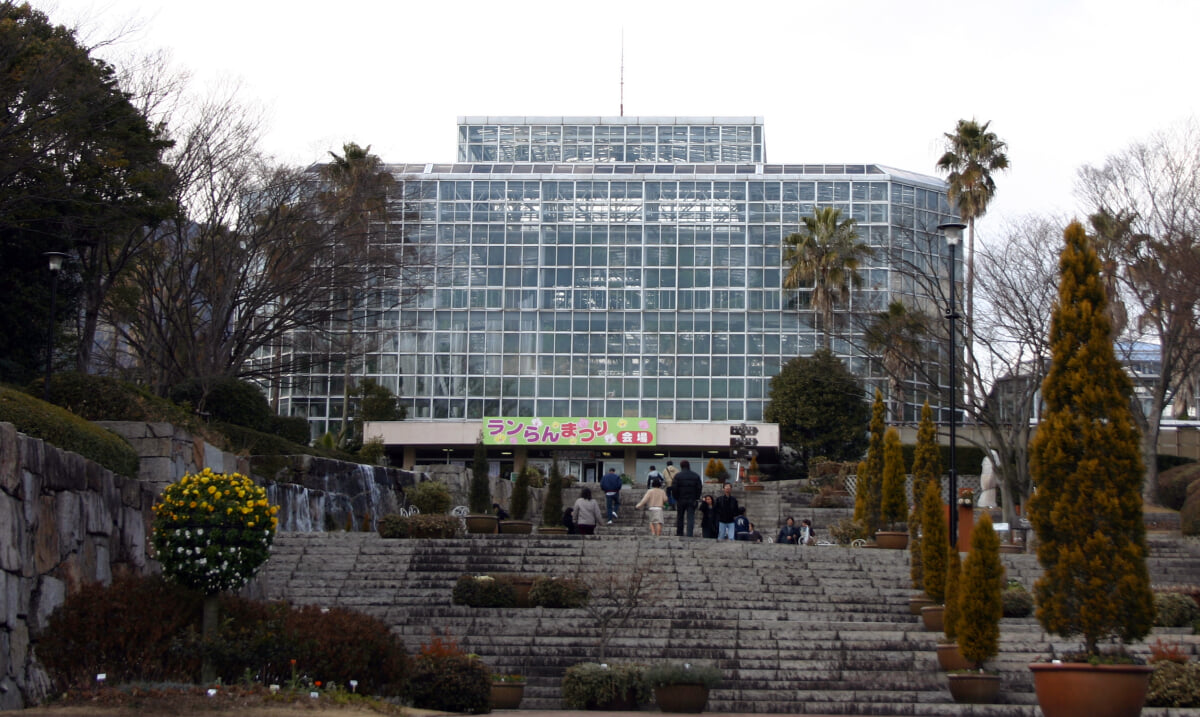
x=484, y=591
x=430, y=497
x=588, y=685
x=558, y=592
x=65, y=430
x=980, y=600
x=1175, y=609
x=446, y=679
x=1018, y=602
x=1174, y=684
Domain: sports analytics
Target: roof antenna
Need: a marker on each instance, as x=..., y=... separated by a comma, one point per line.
x=622, y=72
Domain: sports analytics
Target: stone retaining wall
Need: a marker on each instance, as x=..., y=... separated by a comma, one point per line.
x=64, y=522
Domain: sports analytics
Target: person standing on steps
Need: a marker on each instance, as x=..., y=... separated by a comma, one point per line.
x=611, y=485
x=669, y=474
x=651, y=476
x=654, y=500
x=727, y=512
x=587, y=513
x=688, y=488
x=708, y=518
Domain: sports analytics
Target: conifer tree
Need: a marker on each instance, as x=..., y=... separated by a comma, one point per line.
x=892, y=507
x=951, y=618
x=552, y=508
x=933, y=544
x=869, y=488
x=519, y=503
x=981, y=596
x=1087, y=471
x=927, y=467
x=480, y=498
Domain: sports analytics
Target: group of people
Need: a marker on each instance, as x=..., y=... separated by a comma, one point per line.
x=682, y=490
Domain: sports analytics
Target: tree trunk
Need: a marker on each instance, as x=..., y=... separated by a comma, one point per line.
x=212, y=606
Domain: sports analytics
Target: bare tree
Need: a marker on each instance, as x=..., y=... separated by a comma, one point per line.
x=1016, y=295
x=1146, y=220
x=616, y=594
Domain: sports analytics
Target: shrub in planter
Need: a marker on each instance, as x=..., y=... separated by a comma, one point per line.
x=926, y=467
x=588, y=685
x=1175, y=609
x=484, y=591
x=552, y=507
x=419, y=526
x=519, y=503
x=1085, y=461
x=1018, y=602
x=445, y=678
x=979, y=602
x=893, y=505
x=480, y=499
x=683, y=673
x=951, y=617
x=1174, y=684
x=558, y=593
x=933, y=543
x=430, y=497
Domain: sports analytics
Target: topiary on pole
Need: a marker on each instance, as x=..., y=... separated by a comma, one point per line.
x=868, y=491
x=893, y=507
x=927, y=468
x=212, y=531
x=981, y=596
x=1087, y=471
x=552, y=508
x=933, y=543
x=480, y=498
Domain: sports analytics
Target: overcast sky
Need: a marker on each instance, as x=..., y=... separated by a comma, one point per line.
x=868, y=81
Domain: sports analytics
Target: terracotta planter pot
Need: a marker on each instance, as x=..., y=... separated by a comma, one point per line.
x=932, y=617
x=1011, y=548
x=681, y=698
x=976, y=688
x=552, y=530
x=891, y=539
x=516, y=527
x=750, y=487
x=916, y=602
x=1068, y=689
x=482, y=524
x=950, y=659
x=507, y=695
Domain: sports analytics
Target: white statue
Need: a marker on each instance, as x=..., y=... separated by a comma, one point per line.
x=988, y=482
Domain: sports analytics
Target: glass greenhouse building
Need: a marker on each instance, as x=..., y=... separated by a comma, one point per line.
x=623, y=267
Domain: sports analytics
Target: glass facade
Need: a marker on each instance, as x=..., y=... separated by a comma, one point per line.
x=578, y=272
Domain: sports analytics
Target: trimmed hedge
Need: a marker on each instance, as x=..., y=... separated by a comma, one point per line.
x=1172, y=486
x=67, y=431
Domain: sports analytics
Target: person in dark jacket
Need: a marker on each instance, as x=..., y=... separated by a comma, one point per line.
x=708, y=518
x=688, y=488
x=611, y=485
x=727, y=512
x=741, y=524
x=789, y=534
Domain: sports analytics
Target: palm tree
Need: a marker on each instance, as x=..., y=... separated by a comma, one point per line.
x=356, y=196
x=896, y=336
x=825, y=253
x=972, y=155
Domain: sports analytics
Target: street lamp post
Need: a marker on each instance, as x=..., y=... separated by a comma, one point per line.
x=953, y=231
x=56, y=261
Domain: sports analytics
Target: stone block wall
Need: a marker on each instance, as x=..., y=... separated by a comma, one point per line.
x=169, y=452
x=64, y=522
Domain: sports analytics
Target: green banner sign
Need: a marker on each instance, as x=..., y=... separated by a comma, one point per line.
x=591, y=432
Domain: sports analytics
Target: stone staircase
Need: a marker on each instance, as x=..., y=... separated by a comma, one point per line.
x=798, y=630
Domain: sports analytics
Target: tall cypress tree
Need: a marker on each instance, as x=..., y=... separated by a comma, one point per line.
x=933, y=545
x=1087, y=471
x=981, y=598
x=927, y=467
x=480, y=498
x=892, y=505
x=868, y=491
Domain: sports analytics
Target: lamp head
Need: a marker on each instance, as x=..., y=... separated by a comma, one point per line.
x=56, y=260
x=953, y=231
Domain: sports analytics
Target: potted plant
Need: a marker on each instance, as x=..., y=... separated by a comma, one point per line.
x=933, y=555
x=479, y=499
x=507, y=691
x=419, y=526
x=926, y=469
x=892, y=503
x=980, y=606
x=552, y=507
x=519, y=506
x=1086, y=510
x=868, y=488
x=605, y=686
x=949, y=658
x=682, y=686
